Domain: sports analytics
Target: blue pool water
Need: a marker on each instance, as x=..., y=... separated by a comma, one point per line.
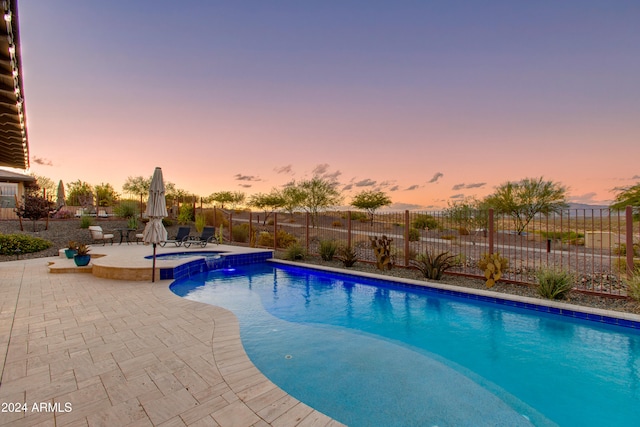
x=366, y=353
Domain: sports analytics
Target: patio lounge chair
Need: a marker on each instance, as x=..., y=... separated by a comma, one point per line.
x=98, y=235
x=179, y=239
x=207, y=236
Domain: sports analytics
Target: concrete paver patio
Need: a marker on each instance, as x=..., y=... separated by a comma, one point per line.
x=79, y=350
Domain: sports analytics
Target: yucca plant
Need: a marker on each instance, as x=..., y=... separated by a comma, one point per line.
x=433, y=266
x=554, y=284
x=347, y=255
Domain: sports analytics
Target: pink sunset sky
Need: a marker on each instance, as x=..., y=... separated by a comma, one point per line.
x=427, y=101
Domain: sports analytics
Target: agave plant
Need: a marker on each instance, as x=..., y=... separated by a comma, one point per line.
x=433, y=266
x=554, y=284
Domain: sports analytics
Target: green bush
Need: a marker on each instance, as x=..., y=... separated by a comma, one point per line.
x=328, y=249
x=295, y=252
x=265, y=239
x=357, y=216
x=633, y=284
x=414, y=235
x=10, y=243
x=240, y=233
x=201, y=221
x=554, y=284
x=185, y=215
x=424, y=222
x=167, y=222
x=126, y=209
x=284, y=239
x=621, y=249
x=86, y=221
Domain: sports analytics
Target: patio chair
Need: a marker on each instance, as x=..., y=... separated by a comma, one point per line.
x=208, y=235
x=183, y=234
x=98, y=235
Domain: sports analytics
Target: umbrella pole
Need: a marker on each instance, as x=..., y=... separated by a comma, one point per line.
x=153, y=271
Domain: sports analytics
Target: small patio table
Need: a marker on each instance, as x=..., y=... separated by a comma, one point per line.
x=124, y=234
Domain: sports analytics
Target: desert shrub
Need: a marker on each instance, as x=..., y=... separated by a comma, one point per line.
x=621, y=250
x=10, y=244
x=126, y=209
x=328, y=249
x=215, y=217
x=554, y=284
x=185, y=215
x=463, y=231
x=357, y=216
x=167, y=222
x=347, y=255
x=633, y=284
x=414, y=235
x=240, y=233
x=265, y=239
x=433, y=266
x=284, y=239
x=620, y=265
x=201, y=221
x=86, y=221
x=336, y=224
x=63, y=214
x=295, y=252
x=424, y=222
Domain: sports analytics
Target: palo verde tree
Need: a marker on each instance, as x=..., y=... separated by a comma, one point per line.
x=48, y=188
x=105, y=194
x=293, y=197
x=319, y=193
x=628, y=196
x=233, y=198
x=523, y=200
x=268, y=202
x=469, y=213
x=370, y=201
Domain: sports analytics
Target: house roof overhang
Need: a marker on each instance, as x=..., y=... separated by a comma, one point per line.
x=14, y=144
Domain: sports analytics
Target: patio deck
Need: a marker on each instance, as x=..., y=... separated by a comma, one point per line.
x=80, y=350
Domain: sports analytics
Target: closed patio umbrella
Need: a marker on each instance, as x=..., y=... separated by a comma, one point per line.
x=60, y=202
x=154, y=232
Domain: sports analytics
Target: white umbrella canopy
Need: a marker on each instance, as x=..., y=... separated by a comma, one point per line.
x=154, y=232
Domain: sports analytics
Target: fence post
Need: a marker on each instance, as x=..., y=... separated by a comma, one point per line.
x=491, y=231
x=406, y=238
x=629, y=225
x=230, y=228
x=306, y=233
x=250, y=228
x=349, y=229
x=275, y=230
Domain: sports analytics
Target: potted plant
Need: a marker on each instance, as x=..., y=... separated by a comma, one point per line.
x=82, y=258
x=72, y=249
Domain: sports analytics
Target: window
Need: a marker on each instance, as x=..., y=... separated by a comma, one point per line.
x=8, y=193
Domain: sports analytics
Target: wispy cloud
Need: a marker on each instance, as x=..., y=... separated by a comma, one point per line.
x=394, y=188
x=245, y=185
x=287, y=170
x=365, y=183
x=635, y=177
x=240, y=177
x=468, y=186
x=320, y=169
x=41, y=161
x=436, y=177
x=404, y=206
x=412, y=187
x=347, y=187
x=457, y=196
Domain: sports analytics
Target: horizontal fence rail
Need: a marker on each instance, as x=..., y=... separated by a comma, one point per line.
x=598, y=246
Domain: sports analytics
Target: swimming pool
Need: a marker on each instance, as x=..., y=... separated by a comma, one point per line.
x=367, y=352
